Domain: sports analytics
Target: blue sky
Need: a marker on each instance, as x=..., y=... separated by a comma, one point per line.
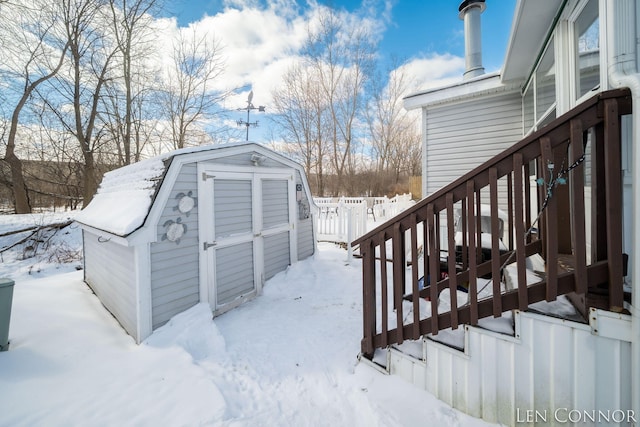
x=262, y=39
x=415, y=28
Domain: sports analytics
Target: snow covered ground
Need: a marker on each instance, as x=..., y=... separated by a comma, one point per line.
x=287, y=358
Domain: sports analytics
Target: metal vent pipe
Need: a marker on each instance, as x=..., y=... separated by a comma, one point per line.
x=469, y=12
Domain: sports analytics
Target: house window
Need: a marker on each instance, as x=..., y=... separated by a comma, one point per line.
x=587, y=49
x=528, y=110
x=546, y=84
x=539, y=97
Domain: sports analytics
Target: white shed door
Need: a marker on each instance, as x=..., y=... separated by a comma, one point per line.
x=276, y=225
x=234, y=236
x=246, y=221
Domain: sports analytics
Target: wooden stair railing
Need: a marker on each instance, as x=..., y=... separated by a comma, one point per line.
x=554, y=155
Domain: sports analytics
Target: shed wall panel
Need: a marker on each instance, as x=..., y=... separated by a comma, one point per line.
x=305, y=236
x=306, y=244
x=232, y=207
x=275, y=202
x=277, y=256
x=174, y=264
x=110, y=271
x=234, y=272
x=244, y=159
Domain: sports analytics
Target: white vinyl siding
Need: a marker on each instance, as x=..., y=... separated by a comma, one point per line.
x=110, y=272
x=174, y=265
x=234, y=272
x=551, y=365
x=276, y=254
x=461, y=137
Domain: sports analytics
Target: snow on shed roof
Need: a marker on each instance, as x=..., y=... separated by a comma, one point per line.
x=124, y=198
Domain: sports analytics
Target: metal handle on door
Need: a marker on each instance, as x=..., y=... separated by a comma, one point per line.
x=207, y=245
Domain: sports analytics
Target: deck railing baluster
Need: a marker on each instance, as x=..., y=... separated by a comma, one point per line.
x=473, y=272
x=415, y=292
x=495, y=241
x=384, y=291
x=434, y=267
x=578, y=224
x=398, y=276
x=523, y=301
x=451, y=260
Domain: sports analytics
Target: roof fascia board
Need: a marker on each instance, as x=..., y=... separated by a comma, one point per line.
x=534, y=23
x=486, y=85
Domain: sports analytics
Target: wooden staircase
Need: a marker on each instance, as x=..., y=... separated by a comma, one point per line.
x=570, y=186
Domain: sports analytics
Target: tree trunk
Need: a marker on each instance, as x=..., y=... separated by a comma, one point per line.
x=90, y=181
x=18, y=185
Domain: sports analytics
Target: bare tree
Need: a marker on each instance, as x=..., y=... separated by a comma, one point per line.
x=31, y=57
x=343, y=56
x=132, y=29
x=301, y=114
x=90, y=66
x=393, y=131
x=189, y=97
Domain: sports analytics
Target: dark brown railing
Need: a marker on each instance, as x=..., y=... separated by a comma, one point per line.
x=544, y=174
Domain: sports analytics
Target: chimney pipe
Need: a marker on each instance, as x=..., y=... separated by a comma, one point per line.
x=470, y=11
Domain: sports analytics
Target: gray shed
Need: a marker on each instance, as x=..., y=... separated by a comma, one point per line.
x=203, y=224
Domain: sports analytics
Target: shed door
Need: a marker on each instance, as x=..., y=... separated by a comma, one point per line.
x=247, y=221
x=276, y=224
x=234, y=239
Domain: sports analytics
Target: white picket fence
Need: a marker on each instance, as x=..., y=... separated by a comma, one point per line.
x=344, y=219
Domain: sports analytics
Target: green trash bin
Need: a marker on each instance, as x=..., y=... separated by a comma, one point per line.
x=6, y=297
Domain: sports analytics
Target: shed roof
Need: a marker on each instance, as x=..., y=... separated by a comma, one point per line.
x=125, y=196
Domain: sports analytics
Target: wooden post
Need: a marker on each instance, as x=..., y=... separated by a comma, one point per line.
x=551, y=220
x=523, y=302
x=451, y=260
x=613, y=183
x=368, y=296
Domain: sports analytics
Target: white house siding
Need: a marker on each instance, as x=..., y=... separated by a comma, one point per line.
x=462, y=136
x=174, y=265
x=550, y=367
x=110, y=272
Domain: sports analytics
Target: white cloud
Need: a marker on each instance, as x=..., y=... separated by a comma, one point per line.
x=435, y=70
x=258, y=44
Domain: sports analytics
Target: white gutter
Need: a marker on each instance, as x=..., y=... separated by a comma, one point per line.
x=620, y=18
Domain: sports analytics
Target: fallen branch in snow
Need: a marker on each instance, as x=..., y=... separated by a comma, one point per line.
x=22, y=230
x=34, y=230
